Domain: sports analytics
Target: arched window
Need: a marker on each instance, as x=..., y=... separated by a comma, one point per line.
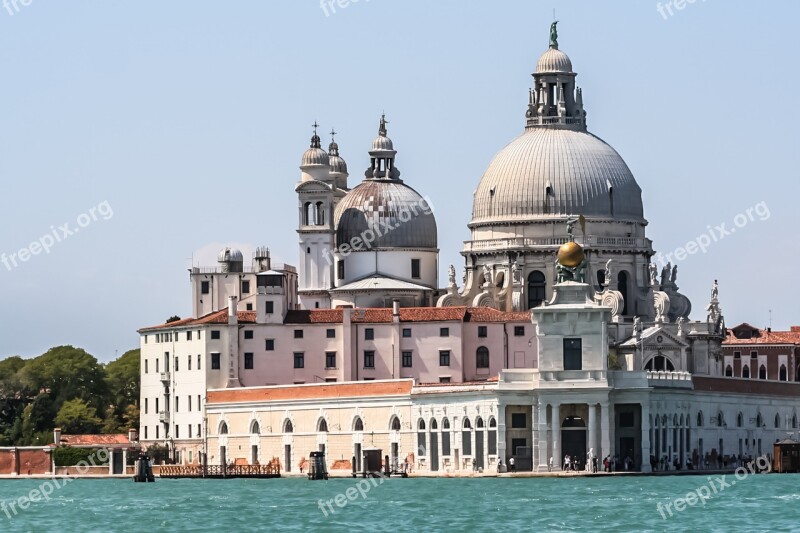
x=759, y=420
x=445, y=423
x=223, y=428
x=308, y=214
x=255, y=428
x=536, y=289
x=445, y=436
x=762, y=372
x=739, y=420
x=358, y=424
x=434, y=424
x=660, y=362
x=421, y=440
x=467, y=424
x=482, y=357
x=794, y=421
x=479, y=423
x=421, y=425
x=745, y=371
x=782, y=374
x=466, y=437
x=322, y=426
x=601, y=279
x=720, y=419
x=777, y=420
x=288, y=427
x=320, y=214
x=700, y=419
x=395, y=424
x=729, y=371
x=622, y=287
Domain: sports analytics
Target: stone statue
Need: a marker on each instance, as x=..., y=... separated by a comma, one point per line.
x=653, y=274
x=487, y=275
x=451, y=274
x=637, y=327
x=571, y=222
x=674, y=274
x=681, y=321
x=608, y=273
x=554, y=35
x=665, y=273
x=516, y=275
x=714, y=291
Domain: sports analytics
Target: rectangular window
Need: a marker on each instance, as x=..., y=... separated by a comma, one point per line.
x=145, y=366
x=573, y=354
x=177, y=404
x=198, y=431
x=369, y=359
x=444, y=332
x=188, y=335
x=198, y=361
x=188, y=362
x=444, y=379
x=145, y=405
x=407, y=359
x=407, y=332
x=157, y=405
x=269, y=307
x=330, y=359
x=189, y=406
x=205, y=287
x=176, y=363
x=330, y=380
x=177, y=432
x=299, y=360
x=519, y=331
x=145, y=433
x=466, y=442
x=298, y=334
x=145, y=341
x=248, y=361
x=519, y=421
x=156, y=366
x=248, y=334
x=249, y=307
x=492, y=442
x=330, y=333
x=369, y=334
x=444, y=357
x=157, y=432
x=754, y=355
x=737, y=355
x=215, y=334
x=340, y=269
x=245, y=286
x=269, y=345
x=199, y=407
x=215, y=361
x=415, y=269
x=482, y=331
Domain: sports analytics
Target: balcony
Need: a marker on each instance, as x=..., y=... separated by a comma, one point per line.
x=163, y=416
x=165, y=378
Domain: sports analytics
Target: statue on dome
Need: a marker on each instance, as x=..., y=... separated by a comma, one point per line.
x=451, y=275
x=674, y=274
x=554, y=35
x=665, y=272
x=653, y=274
x=714, y=291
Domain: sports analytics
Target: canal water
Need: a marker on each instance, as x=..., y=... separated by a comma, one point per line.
x=687, y=503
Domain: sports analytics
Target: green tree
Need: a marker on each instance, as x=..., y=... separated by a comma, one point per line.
x=67, y=372
x=77, y=417
x=122, y=376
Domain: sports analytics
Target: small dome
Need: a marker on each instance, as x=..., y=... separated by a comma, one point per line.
x=227, y=255
x=315, y=155
x=382, y=142
x=553, y=60
x=394, y=213
x=338, y=165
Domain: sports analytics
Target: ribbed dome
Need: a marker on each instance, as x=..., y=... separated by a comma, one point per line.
x=396, y=211
x=546, y=173
x=229, y=254
x=382, y=142
x=553, y=60
x=315, y=156
x=338, y=165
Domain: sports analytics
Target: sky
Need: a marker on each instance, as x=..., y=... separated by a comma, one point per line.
x=139, y=137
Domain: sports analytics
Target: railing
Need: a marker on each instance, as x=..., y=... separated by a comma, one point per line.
x=271, y=469
x=251, y=269
x=525, y=242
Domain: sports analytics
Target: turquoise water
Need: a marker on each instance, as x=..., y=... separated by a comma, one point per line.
x=755, y=503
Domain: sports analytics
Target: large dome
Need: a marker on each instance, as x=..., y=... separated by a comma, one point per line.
x=550, y=173
x=393, y=212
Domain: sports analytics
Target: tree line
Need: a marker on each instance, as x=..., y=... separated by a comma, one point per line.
x=66, y=387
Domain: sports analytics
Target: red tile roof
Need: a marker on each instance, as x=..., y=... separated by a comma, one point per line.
x=314, y=316
x=763, y=336
x=217, y=317
x=312, y=391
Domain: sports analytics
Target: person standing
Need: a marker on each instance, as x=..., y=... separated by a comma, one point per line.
x=550, y=464
x=512, y=465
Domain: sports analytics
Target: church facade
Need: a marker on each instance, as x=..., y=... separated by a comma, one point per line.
x=564, y=337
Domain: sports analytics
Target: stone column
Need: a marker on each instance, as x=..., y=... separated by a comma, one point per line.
x=605, y=438
x=556, y=435
x=542, y=439
x=125, y=461
x=111, y=461
x=646, y=431
x=501, y=433
x=593, y=429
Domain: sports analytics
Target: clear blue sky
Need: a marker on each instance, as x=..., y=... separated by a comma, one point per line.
x=189, y=120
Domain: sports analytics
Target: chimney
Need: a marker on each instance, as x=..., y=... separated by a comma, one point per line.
x=57, y=436
x=795, y=329
x=133, y=435
x=233, y=318
x=396, y=307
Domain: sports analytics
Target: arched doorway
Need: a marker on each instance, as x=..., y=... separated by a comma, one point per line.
x=434, y=445
x=573, y=439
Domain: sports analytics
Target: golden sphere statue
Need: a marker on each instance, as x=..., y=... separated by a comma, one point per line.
x=570, y=254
